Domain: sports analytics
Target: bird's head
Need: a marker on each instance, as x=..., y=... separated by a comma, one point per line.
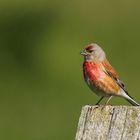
x=93, y=52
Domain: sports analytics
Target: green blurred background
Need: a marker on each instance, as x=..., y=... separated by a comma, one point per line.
x=41, y=83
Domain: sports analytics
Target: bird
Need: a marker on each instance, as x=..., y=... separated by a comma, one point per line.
x=101, y=77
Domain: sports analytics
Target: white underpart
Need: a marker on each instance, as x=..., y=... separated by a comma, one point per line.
x=88, y=81
x=124, y=95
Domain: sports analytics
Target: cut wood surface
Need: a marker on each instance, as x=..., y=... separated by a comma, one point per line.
x=109, y=123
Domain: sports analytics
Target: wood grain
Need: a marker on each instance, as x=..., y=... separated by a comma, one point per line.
x=109, y=123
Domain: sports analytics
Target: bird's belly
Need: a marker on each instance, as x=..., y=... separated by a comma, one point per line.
x=94, y=87
x=98, y=81
x=102, y=86
x=96, y=90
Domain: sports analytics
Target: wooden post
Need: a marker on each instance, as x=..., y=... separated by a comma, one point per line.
x=109, y=123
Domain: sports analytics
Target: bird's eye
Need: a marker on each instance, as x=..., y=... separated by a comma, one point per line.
x=90, y=51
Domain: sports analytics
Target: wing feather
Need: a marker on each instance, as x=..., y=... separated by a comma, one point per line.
x=112, y=73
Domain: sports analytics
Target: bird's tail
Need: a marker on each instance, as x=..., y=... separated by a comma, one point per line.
x=132, y=102
x=125, y=95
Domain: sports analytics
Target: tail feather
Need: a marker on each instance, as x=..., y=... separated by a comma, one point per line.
x=132, y=102
x=129, y=98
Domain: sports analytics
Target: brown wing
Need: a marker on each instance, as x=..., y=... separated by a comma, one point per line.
x=112, y=73
x=110, y=70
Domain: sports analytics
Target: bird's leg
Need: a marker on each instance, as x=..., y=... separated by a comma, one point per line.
x=108, y=100
x=99, y=100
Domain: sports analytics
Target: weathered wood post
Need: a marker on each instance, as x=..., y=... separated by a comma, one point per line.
x=109, y=123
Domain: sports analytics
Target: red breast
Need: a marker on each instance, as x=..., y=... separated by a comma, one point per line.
x=93, y=71
x=99, y=78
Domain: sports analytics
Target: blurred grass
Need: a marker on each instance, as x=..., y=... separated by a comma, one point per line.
x=42, y=88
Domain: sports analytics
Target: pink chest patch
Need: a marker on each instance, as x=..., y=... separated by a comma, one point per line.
x=93, y=71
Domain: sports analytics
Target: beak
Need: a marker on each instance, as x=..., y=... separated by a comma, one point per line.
x=83, y=53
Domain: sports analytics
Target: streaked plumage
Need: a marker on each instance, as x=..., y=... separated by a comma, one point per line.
x=100, y=76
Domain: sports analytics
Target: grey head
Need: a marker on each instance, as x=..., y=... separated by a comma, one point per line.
x=93, y=52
